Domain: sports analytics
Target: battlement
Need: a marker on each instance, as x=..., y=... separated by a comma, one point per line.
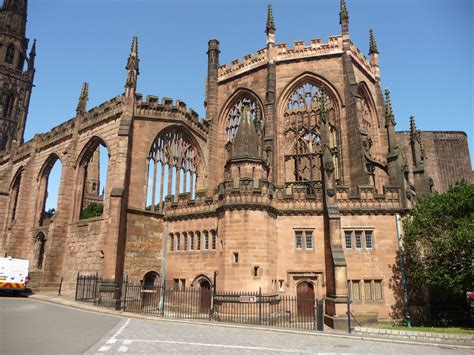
x=250, y=61
x=170, y=108
x=299, y=50
x=105, y=110
x=316, y=47
x=361, y=59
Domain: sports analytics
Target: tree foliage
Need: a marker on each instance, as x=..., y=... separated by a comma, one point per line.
x=439, y=240
x=93, y=210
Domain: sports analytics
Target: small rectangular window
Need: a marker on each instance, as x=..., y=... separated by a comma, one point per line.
x=235, y=258
x=178, y=242
x=299, y=240
x=355, y=289
x=281, y=285
x=183, y=284
x=358, y=239
x=348, y=237
x=368, y=239
x=368, y=290
x=198, y=241
x=176, y=284
x=185, y=242
x=191, y=241
x=309, y=240
x=378, y=290
x=256, y=271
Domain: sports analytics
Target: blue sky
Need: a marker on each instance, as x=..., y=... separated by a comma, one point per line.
x=426, y=50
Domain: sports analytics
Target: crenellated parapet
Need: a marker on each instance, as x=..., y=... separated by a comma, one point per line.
x=362, y=60
x=106, y=110
x=315, y=48
x=168, y=108
x=263, y=195
x=249, y=62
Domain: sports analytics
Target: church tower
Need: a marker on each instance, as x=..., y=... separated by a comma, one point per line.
x=16, y=72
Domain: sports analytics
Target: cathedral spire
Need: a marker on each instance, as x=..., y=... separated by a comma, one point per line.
x=270, y=28
x=373, y=45
x=83, y=98
x=132, y=67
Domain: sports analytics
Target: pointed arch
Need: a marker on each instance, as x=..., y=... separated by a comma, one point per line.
x=175, y=165
x=46, y=215
x=298, y=126
x=14, y=193
x=92, y=167
x=229, y=116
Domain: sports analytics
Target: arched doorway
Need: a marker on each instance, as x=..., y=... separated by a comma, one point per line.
x=40, y=245
x=205, y=296
x=305, y=300
x=151, y=289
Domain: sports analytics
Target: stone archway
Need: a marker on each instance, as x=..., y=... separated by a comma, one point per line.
x=205, y=288
x=305, y=299
x=150, y=292
x=40, y=247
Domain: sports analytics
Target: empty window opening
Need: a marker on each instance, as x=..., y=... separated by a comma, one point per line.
x=235, y=258
x=95, y=163
x=173, y=164
x=256, y=271
x=50, y=185
x=10, y=54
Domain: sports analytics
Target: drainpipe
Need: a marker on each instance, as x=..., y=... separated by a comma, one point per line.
x=402, y=270
x=163, y=265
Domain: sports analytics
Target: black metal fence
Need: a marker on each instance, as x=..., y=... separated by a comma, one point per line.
x=200, y=303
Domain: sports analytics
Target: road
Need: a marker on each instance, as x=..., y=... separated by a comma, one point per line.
x=29, y=326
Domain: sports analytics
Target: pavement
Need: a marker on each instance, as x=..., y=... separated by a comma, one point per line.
x=63, y=326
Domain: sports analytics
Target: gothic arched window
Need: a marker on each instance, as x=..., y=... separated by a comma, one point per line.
x=302, y=133
x=10, y=54
x=175, y=160
x=8, y=105
x=234, y=113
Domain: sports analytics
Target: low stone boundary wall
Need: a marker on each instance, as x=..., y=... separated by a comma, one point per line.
x=428, y=337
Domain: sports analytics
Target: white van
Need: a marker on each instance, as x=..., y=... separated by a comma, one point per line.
x=13, y=274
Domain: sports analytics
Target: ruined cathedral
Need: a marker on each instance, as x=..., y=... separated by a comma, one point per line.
x=291, y=182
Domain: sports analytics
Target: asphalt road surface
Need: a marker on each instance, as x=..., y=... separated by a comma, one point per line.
x=29, y=326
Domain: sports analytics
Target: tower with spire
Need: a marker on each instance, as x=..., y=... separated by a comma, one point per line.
x=17, y=70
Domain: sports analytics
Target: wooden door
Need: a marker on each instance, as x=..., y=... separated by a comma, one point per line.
x=305, y=299
x=205, y=296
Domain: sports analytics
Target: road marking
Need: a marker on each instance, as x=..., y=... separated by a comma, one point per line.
x=121, y=329
x=123, y=349
x=111, y=341
x=104, y=348
x=129, y=341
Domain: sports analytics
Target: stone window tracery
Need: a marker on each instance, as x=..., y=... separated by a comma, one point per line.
x=15, y=194
x=235, y=112
x=172, y=169
x=302, y=134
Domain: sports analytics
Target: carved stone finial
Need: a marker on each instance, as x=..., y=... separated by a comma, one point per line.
x=31, y=61
x=270, y=21
x=133, y=65
x=343, y=14
x=83, y=98
x=373, y=45
x=389, y=116
x=412, y=126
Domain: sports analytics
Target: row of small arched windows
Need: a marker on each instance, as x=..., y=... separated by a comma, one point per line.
x=193, y=241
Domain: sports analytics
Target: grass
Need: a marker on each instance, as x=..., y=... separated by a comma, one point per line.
x=453, y=330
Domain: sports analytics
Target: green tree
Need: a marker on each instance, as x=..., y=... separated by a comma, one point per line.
x=439, y=241
x=93, y=210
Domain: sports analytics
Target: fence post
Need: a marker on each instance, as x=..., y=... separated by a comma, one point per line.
x=213, y=295
x=349, y=328
x=125, y=294
x=260, y=305
x=60, y=286
x=77, y=286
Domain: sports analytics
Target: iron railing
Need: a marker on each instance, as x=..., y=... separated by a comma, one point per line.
x=198, y=303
